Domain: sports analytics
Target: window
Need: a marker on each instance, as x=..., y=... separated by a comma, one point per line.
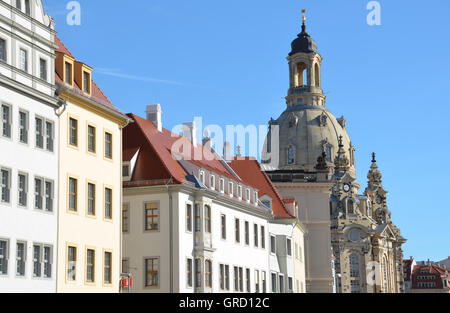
x=91, y=140
x=71, y=263
x=5, y=185
x=23, y=127
x=264, y=283
x=267, y=203
x=263, y=237
x=256, y=197
x=354, y=265
x=223, y=219
x=27, y=7
x=19, y=4
x=198, y=223
x=108, y=204
x=329, y=156
x=273, y=244
x=247, y=233
x=289, y=247
x=189, y=272
x=237, y=230
x=68, y=73
x=222, y=185
x=20, y=258
x=256, y=281
x=125, y=218
x=91, y=199
x=291, y=155
x=236, y=278
x=49, y=136
x=255, y=235
x=43, y=69
x=90, y=265
x=290, y=285
x=240, y=192
x=22, y=189
x=202, y=177
x=107, y=276
x=37, y=261
x=38, y=196
x=73, y=132
x=4, y=256
x=227, y=277
x=247, y=195
x=247, y=280
x=300, y=253
x=47, y=262
x=241, y=279
x=198, y=273
x=207, y=219
x=354, y=286
x=230, y=189
x=40, y=193
x=87, y=82
x=73, y=190
x=212, y=182
x=222, y=277
x=208, y=274
x=126, y=171
x=189, y=217
x=49, y=196
x=151, y=217
x=274, y=282
x=125, y=266
x=23, y=60
x=2, y=50
x=281, y=283
x=6, y=121
x=39, y=133
x=108, y=146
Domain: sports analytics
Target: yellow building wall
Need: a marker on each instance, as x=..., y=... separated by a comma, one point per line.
x=79, y=229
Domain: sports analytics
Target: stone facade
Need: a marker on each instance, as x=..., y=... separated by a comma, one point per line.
x=350, y=236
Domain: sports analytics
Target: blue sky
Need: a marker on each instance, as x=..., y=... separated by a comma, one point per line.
x=226, y=61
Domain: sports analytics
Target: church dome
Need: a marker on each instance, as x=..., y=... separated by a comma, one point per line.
x=305, y=132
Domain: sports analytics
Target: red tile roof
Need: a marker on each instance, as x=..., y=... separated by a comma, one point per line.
x=145, y=135
x=429, y=274
x=251, y=172
x=97, y=94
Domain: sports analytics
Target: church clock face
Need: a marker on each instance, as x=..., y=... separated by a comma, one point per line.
x=346, y=187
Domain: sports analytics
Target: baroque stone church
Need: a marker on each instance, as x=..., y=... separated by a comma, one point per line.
x=352, y=245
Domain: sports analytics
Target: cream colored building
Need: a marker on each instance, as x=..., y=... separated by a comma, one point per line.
x=89, y=221
x=349, y=234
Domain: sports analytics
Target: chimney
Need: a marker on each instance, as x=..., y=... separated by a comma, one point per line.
x=207, y=142
x=227, y=151
x=154, y=115
x=189, y=132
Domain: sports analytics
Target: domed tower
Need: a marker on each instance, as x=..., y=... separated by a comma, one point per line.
x=306, y=128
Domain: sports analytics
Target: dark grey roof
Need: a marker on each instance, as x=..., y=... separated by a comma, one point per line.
x=304, y=43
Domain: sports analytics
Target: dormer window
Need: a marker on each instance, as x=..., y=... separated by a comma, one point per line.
x=222, y=185
x=87, y=82
x=126, y=171
x=247, y=195
x=212, y=182
x=202, y=177
x=19, y=4
x=68, y=73
x=230, y=189
x=27, y=7
x=240, y=192
x=256, y=197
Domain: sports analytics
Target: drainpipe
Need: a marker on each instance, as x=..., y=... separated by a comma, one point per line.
x=169, y=189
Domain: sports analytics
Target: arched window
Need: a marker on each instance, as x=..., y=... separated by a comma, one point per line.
x=301, y=75
x=317, y=75
x=291, y=155
x=350, y=206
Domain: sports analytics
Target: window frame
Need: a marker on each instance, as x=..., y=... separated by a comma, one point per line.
x=189, y=220
x=88, y=139
x=8, y=121
x=208, y=218
x=22, y=259
x=23, y=190
x=108, y=283
x=43, y=75
x=146, y=216
x=24, y=63
x=70, y=246
x=4, y=51
x=105, y=145
x=108, y=206
x=5, y=257
x=7, y=186
x=90, y=198
x=75, y=194
x=87, y=265
x=126, y=217
x=73, y=144
x=25, y=128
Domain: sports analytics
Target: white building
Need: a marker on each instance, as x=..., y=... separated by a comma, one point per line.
x=28, y=148
x=190, y=224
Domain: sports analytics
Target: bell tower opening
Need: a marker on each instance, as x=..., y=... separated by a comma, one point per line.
x=301, y=75
x=317, y=75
